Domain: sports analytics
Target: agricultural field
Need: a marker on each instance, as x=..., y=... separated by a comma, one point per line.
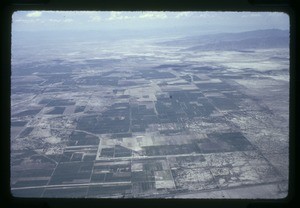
x=150, y=119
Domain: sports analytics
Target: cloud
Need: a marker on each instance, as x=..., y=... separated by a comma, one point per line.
x=34, y=14
x=206, y=15
x=118, y=16
x=276, y=14
x=183, y=14
x=153, y=15
x=248, y=15
x=25, y=20
x=60, y=20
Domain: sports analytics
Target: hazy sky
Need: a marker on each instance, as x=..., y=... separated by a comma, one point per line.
x=205, y=22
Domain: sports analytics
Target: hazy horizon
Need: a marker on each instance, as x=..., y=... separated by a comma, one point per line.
x=197, y=22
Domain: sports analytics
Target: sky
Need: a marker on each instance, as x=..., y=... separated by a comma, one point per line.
x=202, y=22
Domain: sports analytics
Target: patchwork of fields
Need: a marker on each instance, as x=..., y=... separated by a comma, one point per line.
x=174, y=124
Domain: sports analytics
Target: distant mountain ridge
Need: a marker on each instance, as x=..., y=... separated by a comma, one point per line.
x=257, y=39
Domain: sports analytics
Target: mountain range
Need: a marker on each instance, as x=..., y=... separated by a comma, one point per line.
x=257, y=39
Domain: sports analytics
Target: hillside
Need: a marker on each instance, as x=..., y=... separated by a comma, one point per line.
x=258, y=39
